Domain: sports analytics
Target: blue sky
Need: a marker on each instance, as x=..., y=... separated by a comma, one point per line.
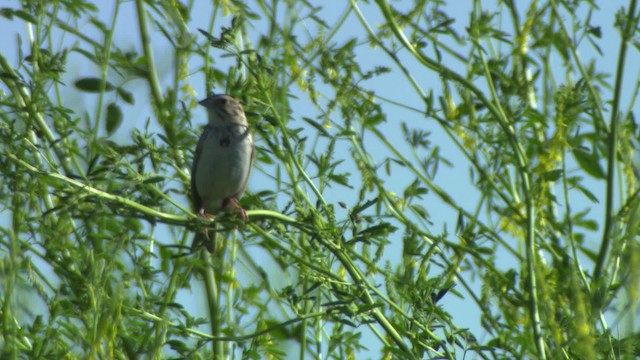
x=391, y=86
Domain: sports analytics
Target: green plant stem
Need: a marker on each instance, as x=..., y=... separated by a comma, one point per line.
x=213, y=302
x=303, y=333
x=391, y=54
x=104, y=67
x=289, y=149
x=493, y=106
x=597, y=103
x=229, y=272
x=93, y=191
x=145, y=210
x=360, y=280
x=446, y=198
x=444, y=71
x=500, y=116
x=23, y=98
x=631, y=24
x=531, y=276
x=152, y=73
x=181, y=329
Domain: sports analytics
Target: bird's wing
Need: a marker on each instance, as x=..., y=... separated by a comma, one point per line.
x=253, y=157
x=196, y=200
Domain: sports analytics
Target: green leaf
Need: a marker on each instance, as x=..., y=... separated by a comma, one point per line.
x=25, y=16
x=126, y=96
x=6, y=13
x=592, y=255
x=552, y=175
x=588, y=224
x=587, y=193
x=362, y=207
x=420, y=210
x=589, y=162
x=485, y=250
x=381, y=229
x=415, y=190
x=86, y=54
x=178, y=346
x=321, y=129
x=135, y=225
x=93, y=85
x=114, y=118
x=342, y=179
x=4, y=75
x=153, y=180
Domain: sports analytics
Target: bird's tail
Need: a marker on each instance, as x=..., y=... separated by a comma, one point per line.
x=205, y=238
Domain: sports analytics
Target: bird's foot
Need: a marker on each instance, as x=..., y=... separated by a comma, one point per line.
x=205, y=215
x=233, y=203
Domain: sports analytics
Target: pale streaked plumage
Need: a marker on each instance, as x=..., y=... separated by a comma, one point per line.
x=222, y=161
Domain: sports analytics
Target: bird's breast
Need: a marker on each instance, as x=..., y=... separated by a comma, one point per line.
x=223, y=165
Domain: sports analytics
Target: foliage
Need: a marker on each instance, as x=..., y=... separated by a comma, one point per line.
x=409, y=158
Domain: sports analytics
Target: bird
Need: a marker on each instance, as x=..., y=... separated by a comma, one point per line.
x=221, y=163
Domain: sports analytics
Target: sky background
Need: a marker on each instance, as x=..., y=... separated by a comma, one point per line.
x=454, y=179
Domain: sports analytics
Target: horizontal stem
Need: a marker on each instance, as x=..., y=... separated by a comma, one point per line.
x=150, y=212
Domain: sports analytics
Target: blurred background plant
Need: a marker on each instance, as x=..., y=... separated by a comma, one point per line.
x=432, y=180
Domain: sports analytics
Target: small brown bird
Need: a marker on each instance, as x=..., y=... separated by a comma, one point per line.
x=221, y=164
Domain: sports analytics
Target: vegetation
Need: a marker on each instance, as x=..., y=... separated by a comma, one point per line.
x=409, y=157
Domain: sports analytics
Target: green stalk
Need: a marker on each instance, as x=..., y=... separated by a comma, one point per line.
x=104, y=67
x=152, y=72
x=495, y=108
x=213, y=302
x=631, y=25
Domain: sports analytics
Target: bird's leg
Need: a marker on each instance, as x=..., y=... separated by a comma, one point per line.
x=203, y=214
x=233, y=203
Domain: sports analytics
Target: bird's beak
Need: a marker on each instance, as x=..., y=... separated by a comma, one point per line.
x=206, y=102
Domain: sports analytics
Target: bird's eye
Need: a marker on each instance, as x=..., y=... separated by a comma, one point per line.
x=223, y=101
